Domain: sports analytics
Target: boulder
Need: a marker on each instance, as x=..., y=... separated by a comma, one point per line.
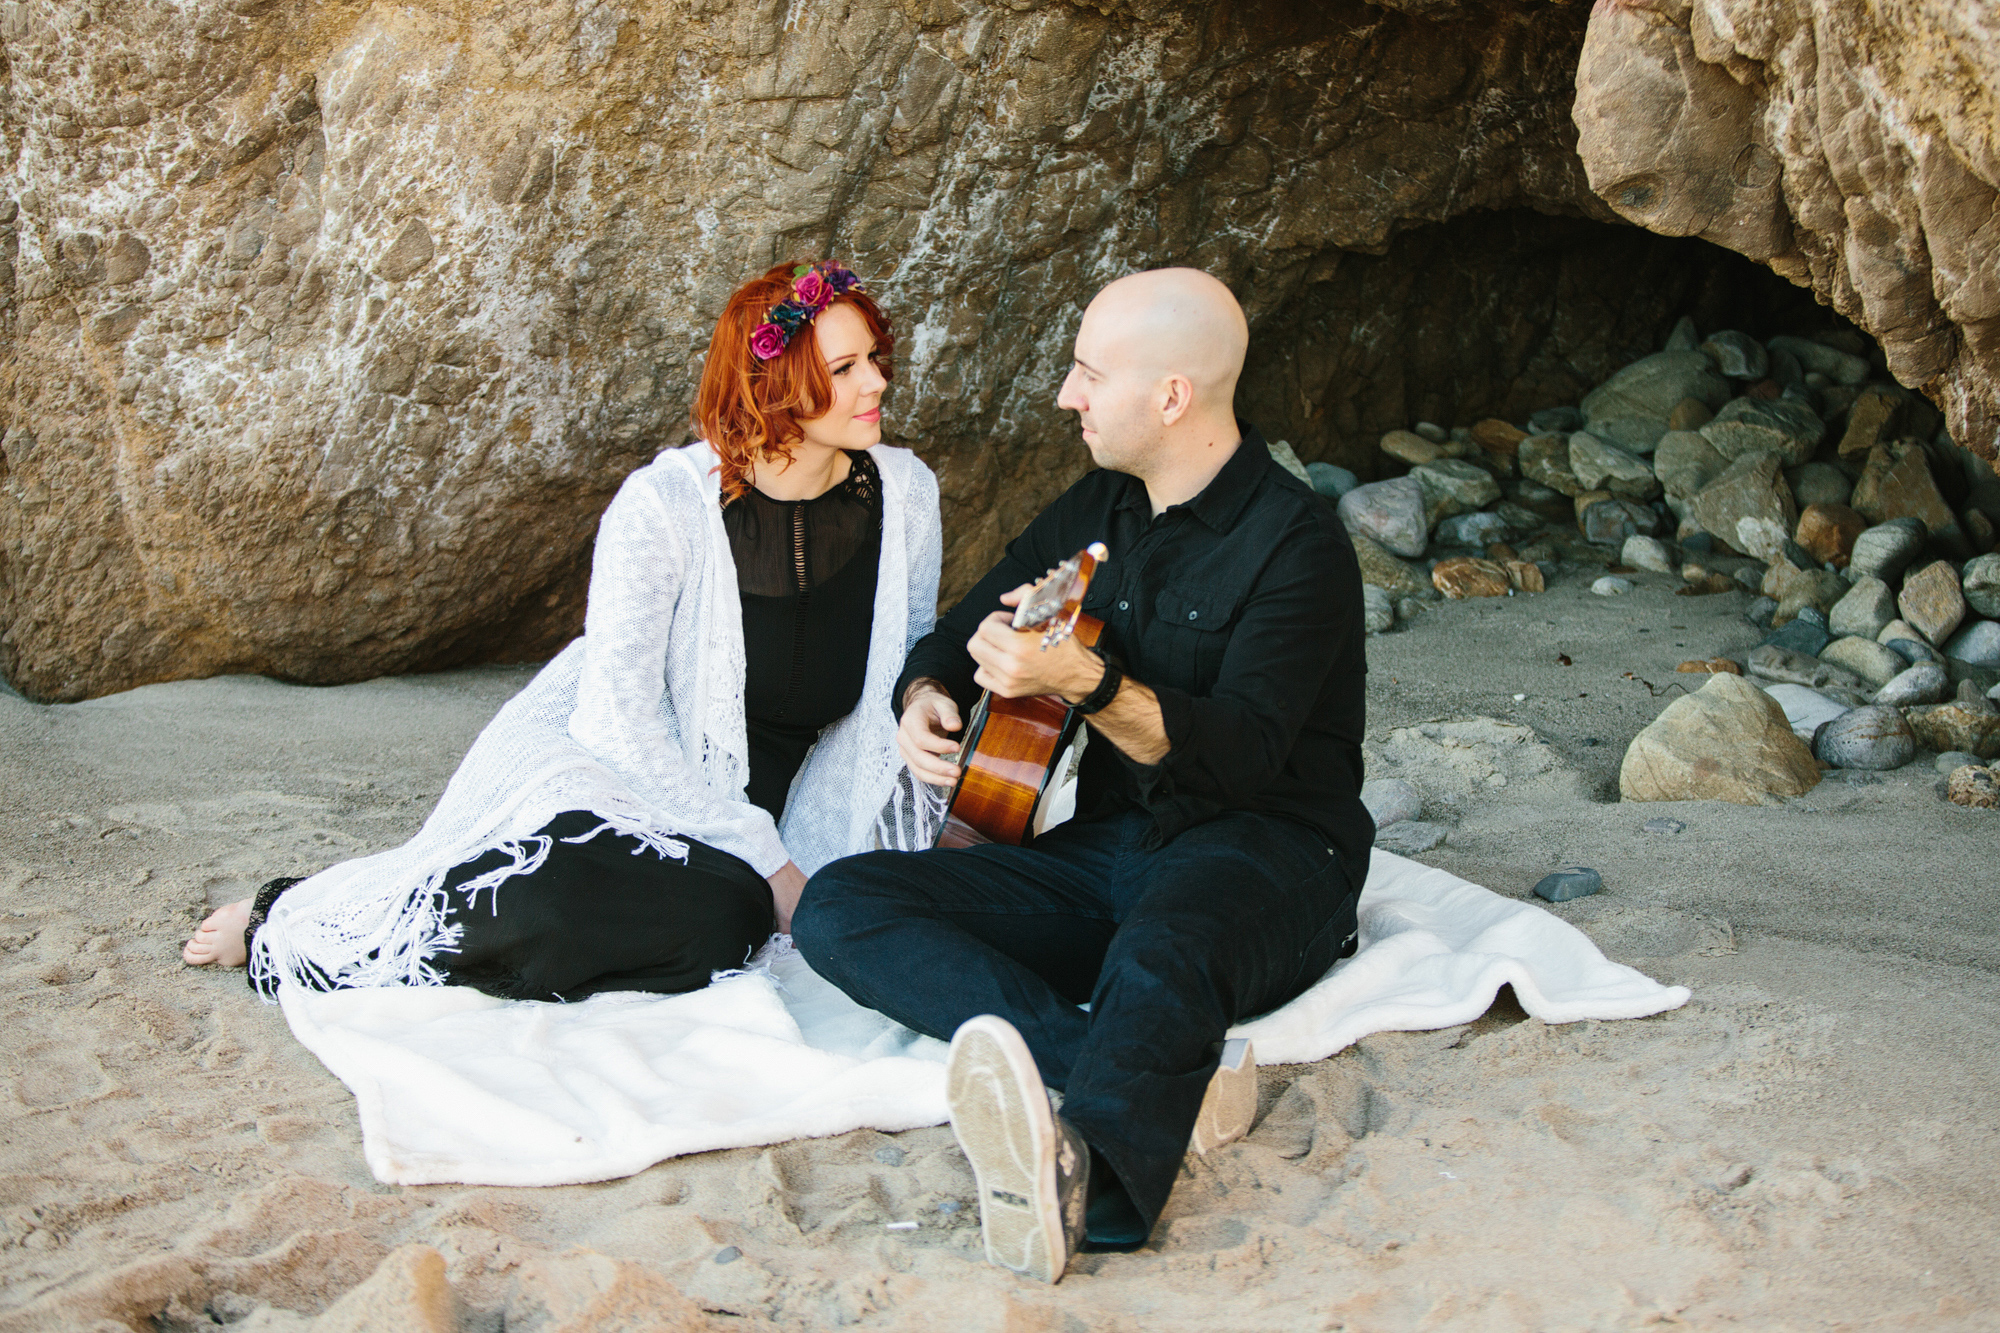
x=1838, y=366
x=1956, y=726
x=1980, y=583
x=1814, y=588
x=1610, y=522
x=1330, y=480
x=1469, y=576
x=1601, y=466
x=1817, y=484
x=1738, y=355
x=1381, y=569
x=1453, y=486
x=1871, y=420
x=1828, y=531
x=1751, y=425
x=1544, y=459
x=1283, y=455
x=1652, y=385
x=1748, y=506
x=1390, y=512
x=1886, y=550
x=1864, y=610
x=1647, y=553
x=1896, y=482
x=1866, y=658
x=1684, y=462
x=1871, y=738
x=1977, y=643
x=1481, y=528
x=1932, y=601
x=1727, y=741
x=1922, y=683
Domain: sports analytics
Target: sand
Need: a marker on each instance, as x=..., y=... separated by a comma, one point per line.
x=1809, y=1144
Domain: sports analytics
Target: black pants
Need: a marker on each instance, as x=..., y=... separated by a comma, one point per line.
x=1169, y=945
x=604, y=915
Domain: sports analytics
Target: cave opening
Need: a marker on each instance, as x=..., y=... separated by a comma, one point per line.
x=1495, y=314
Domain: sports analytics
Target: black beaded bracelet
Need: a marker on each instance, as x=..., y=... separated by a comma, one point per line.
x=1106, y=691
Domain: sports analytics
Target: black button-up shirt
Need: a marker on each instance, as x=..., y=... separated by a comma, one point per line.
x=1241, y=609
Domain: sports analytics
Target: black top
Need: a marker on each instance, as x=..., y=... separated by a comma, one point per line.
x=1242, y=610
x=805, y=572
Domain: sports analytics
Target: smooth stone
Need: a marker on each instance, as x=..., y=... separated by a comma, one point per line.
x=1662, y=824
x=1912, y=651
x=1471, y=576
x=1802, y=634
x=1806, y=709
x=1738, y=355
x=1638, y=435
x=1477, y=529
x=1748, y=506
x=1979, y=679
x=1818, y=484
x=1498, y=437
x=1409, y=608
x=1752, y=576
x=1863, y=610
x=1886, y=550
x=1611, y=586
x=1871, y=418
x=1601, y=466
x=1873, y=738
x=1952, y=759
x=1615, y=522
x=1932, y=602
x=1390, y=512
x=1826, y=533
x=1569, y=883
x=1973, y=695
x=1727, y=741
x=1518, y=518
x=1383, y=570
x=1866, y=658
x=1410, y=837
x=1811, y=589
x=1977, y=643
x=1648, y=553
x=1838, y=366
x=1752, y=425
x=1331, y=480
x=1683, y=337
x=1760, y=611
x=1922, y=683
x=1283, y=455
x=1545, y=459
x=1378, y=611
x=1684, y=462
x=1954, y=726
x=1453, y=486
x=728, y=1254
x=1391, y=801
x=1690, y=414
x=1555, y=421
x=1433, y=432
x=1974, y=786
x=889, y=1155
x=1652, y=385
x=1409, y=447
x=1980, y=582
x=1526, y=576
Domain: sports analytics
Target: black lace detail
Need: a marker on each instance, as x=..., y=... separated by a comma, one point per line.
x=260, y=912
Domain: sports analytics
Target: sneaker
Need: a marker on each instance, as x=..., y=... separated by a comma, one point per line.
x=1033, y=1169
x=1230, y=1106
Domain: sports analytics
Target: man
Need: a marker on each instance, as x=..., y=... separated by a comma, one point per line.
x=1211, y=870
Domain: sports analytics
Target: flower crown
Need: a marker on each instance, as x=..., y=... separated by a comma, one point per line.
x=813, y=288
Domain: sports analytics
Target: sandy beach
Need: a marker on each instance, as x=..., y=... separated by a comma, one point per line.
x=1809, y=1144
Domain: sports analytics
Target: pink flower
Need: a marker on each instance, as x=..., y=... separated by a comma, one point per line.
x=767, y=341
x=812, y=289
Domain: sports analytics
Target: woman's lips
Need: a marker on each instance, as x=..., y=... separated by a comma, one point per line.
x=873, y=414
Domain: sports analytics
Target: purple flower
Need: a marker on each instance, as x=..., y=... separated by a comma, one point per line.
x=767, y=341
x=812, y=290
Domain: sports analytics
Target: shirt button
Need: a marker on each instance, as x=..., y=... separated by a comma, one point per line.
x=1124, y=606
x=1193, y=614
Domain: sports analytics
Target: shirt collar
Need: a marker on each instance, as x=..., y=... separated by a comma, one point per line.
x=1221, y=502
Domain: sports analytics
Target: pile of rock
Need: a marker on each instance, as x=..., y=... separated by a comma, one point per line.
x=1793, y=469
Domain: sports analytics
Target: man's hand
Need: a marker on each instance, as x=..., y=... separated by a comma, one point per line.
x=929, y=719
x=1013, y=664
x=787, y=883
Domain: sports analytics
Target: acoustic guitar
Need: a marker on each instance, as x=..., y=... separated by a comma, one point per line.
x=1011, y=747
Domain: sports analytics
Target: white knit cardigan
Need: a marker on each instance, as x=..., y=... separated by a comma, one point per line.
x=641, y=722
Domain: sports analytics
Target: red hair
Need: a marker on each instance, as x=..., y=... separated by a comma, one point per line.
x=749, y=410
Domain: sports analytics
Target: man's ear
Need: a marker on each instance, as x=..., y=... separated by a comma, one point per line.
x=1176, y=398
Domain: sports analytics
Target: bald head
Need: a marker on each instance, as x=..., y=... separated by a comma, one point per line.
x=1167, y=322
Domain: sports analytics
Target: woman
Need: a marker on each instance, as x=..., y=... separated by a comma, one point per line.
x=647, y=810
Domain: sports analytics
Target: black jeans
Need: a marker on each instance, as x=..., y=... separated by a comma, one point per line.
x=1169, y=945
x=603, y=915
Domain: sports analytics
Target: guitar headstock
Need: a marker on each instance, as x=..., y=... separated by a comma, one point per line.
x=1054, y=603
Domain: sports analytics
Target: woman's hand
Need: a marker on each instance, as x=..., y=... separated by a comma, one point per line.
x=929, y=718
x=787, y=883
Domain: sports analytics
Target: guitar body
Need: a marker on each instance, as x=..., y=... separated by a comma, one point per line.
x=1010, y=750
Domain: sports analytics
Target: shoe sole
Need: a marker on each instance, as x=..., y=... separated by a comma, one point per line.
x=1000, y=1113
x=1229, y=1108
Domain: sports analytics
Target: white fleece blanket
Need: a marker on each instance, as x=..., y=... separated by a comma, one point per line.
x=454, y=1086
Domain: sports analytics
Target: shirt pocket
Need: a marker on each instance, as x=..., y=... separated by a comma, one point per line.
x=1191, y=623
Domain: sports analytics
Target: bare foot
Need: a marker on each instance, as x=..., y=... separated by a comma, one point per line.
x=220, y=938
